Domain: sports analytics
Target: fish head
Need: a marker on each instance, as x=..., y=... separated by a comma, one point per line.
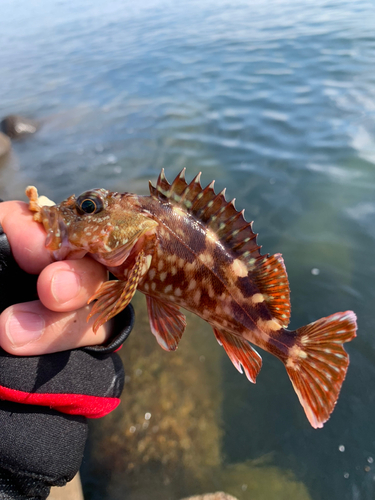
x=99, y=222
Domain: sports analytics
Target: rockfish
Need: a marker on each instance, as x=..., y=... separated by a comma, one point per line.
x=187, y=247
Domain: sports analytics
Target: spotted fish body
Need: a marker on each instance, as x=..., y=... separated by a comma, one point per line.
x=187, y=247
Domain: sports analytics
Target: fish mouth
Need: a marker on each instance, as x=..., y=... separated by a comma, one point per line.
x=57, y=241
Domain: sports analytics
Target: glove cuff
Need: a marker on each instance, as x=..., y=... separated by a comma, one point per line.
x=36, y=449
x=13, y=487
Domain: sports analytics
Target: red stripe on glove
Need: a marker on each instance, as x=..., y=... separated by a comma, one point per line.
x=73, y=404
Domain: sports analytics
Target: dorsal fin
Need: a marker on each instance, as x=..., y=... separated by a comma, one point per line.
x=171, y=192
x=270, y=276
x=212, y=210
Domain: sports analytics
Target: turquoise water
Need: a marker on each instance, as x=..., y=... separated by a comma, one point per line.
x=276, y=101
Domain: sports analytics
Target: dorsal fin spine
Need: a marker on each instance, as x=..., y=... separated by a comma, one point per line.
x=180, y=179
x=236, y=232
x=153, y=190
x=181, y=175
x=235, y=217
x=246, y=226
x=222, y=209
x=163, y=185
x=196, y=202
x=197, y=180
x=219, y=198
x=162, y=178
x=191, y=191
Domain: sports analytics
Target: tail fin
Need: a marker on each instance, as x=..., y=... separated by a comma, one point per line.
x=317, y=364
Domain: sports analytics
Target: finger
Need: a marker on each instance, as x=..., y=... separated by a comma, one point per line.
x=31, y=329
x=68, y=285
x=26, y=237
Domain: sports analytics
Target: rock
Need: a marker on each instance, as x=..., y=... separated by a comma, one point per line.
x=15, y=126
x=219, y=495
x=165, y=442
x=5, y=144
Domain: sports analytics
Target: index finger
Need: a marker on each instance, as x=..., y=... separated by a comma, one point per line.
x=26, y=237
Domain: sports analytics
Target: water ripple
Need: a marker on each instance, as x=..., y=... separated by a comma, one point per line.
x=276, y=100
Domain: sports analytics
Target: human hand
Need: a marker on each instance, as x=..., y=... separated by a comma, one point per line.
x=44, y=399
x=57, y=321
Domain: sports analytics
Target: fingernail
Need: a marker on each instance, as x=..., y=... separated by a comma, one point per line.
x=24, y=327
x=65, y=286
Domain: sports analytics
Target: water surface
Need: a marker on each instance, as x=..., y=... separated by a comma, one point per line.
x=276, y=101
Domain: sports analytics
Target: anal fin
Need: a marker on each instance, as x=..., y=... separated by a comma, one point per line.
x=113, y=296
x=166, y=321
x=240, y=353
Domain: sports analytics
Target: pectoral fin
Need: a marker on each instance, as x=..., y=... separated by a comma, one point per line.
x=240, y=353
x=113, y=296
x=167, y=323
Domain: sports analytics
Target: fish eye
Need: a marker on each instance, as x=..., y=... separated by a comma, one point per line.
x=88, y=206
x=89, y=203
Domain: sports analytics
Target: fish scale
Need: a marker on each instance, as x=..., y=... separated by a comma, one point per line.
x=185, y=246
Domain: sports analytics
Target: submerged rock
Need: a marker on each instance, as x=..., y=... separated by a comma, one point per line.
x=165, y=440
x=15, y=126
x=219, y=495
x=5, y=144
x=165, y=437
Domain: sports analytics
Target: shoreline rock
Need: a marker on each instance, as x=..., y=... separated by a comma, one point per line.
x=5, y=144
x=15, y=126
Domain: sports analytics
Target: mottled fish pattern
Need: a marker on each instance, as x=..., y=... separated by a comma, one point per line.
x=187, y=247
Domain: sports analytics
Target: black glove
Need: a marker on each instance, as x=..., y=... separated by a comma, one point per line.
x=46, y=399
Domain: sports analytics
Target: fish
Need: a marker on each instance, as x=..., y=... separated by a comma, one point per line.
x=187, y=247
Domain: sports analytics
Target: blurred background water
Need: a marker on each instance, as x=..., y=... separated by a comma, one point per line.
x=276, y=101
